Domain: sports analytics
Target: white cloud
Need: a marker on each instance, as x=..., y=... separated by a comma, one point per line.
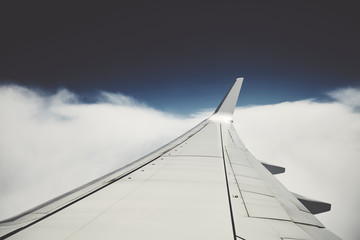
x=319, y=145
x=50, y=144
x=119, y=99
x=348, y=96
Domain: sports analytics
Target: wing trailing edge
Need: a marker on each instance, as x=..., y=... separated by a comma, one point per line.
x=274, y=169
x=314, y=206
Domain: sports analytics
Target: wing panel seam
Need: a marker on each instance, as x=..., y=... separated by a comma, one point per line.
x=247, y=212
x=227, y=185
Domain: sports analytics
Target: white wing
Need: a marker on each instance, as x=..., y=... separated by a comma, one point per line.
x=203, y=185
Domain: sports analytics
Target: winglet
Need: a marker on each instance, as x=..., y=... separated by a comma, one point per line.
x=227, y=106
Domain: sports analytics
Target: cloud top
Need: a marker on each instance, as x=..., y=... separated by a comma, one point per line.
x=52, y=143
x=348, y=96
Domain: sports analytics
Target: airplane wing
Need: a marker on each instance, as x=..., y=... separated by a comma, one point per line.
x=203, y=185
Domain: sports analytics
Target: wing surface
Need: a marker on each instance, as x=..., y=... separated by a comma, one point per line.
x=203, y=185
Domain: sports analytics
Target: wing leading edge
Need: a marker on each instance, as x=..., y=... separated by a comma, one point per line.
x=203, y=185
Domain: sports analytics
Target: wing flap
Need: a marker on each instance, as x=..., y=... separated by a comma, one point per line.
x=290, y=204
x=274, y=169
x=314, y=206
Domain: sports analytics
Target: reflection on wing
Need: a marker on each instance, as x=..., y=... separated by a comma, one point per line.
x=203, y=185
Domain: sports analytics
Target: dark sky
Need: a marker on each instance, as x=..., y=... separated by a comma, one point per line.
x=169, y=54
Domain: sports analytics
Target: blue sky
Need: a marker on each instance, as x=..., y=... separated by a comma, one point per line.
x=171, y=54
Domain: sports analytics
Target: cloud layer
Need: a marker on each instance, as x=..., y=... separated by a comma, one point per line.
x=319, y=145
x=52, y=143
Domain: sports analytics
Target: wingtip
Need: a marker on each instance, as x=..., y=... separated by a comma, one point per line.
x=227, y=106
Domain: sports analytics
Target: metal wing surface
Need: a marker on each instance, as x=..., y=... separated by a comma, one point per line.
x=203, y=185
